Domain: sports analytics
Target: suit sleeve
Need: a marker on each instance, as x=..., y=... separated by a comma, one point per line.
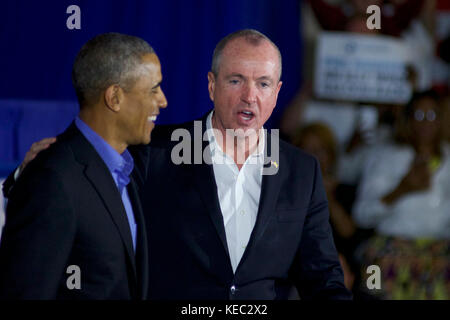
x=37, y=237
x=9, y=183
x=318, y=273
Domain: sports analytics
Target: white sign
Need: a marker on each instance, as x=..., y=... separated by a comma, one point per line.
x=363, y=68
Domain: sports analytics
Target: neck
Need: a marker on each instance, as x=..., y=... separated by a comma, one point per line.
x=426, y=150
x=102, y=125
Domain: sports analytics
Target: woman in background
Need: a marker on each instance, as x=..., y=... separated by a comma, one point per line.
x=404, y=196
x=317, y=139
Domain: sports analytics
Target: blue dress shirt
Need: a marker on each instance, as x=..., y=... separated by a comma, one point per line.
x=120, y=166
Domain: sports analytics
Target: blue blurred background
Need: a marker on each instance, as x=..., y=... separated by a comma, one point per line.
x=36, y=95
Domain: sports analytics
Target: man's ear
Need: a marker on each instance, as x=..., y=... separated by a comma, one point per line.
x=211, y=85
x=279, y=87
x=277, y=90
x=113, y=97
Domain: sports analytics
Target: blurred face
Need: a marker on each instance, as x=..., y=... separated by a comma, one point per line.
x=360, y=6
x=141, y=104
x=359, y=25
x=425, y=122
x=314, y=145
x=246, y=88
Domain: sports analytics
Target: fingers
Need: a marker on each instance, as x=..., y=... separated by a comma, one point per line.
x=35, y=149
x=42, y=144
x=47, y=140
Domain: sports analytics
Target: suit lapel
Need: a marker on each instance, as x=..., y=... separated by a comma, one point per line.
x=141, y=243
x=206, y=185
x=203, y=176
x=270, y=188
x=99, y=176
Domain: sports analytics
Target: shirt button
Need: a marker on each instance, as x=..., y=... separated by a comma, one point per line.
x=242, y=212
x=233, y=289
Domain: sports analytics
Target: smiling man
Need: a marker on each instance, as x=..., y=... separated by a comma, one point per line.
x=74, y=226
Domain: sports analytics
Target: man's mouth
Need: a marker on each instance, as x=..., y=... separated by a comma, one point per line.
x=246, y=115
x=152, y=118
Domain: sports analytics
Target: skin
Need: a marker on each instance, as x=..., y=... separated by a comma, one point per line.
x=248, y=79
x=424, y=133
x=121, y=117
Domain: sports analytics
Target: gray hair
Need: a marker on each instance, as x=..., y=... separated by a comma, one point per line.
x=107, y=59
x=252, y=36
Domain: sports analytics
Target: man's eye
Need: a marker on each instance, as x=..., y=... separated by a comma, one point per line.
x=234, y=81
x=264, y=84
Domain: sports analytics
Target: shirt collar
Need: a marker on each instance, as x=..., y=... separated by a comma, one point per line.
x=259, y=152
x=123, y=163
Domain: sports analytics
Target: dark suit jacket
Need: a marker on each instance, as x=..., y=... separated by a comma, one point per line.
x=291, y=243
x=65, y=209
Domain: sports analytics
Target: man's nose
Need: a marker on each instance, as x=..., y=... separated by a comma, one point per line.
x=249, y=93
x=163, y=101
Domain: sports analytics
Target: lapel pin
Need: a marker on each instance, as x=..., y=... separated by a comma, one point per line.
x=274, y=163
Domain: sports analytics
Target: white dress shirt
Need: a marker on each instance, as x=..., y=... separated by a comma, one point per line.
x=238, y=191
x=416, y=214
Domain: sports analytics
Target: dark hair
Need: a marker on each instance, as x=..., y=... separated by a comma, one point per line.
x=409, y=108
x=252, y=36
x=403, y=134
x=109, y=58
x=325, y=135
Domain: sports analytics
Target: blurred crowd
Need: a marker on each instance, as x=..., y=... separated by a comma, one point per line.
x=385, y=166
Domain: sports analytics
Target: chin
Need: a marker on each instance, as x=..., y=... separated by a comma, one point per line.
x=146, y=140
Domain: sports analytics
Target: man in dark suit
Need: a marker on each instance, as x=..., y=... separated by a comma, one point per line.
x=74, y=225
x=231, y=211
x=237, y=213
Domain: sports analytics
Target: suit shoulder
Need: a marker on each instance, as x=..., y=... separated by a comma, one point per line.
x=57, y=157
x=162, y=134
x=297, y=155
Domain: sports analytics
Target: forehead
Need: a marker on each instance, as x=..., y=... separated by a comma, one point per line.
x=239, y=53
x=425, y=103
x=151, y=63
x=149, y=71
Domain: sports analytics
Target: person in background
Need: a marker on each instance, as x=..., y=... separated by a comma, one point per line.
x=404, y=197
x=318, y=139
x=395, y=15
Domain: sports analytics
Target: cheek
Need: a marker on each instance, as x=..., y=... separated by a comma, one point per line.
x=267, y=106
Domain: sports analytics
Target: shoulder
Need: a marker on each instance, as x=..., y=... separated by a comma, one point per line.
x=59, y=157
x=296, y=156
x=161, y=135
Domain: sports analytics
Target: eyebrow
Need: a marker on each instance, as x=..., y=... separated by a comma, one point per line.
x=238, y=75
x=265, y=78
x=235, y=75
x=157, y=85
